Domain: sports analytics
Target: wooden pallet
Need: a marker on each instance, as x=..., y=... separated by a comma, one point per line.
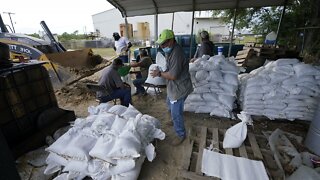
x=253, y=148
x=243, y=56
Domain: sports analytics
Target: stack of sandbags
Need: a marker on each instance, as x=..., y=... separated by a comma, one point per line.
x=111, y=143
x=283, y=89
x=215, y=82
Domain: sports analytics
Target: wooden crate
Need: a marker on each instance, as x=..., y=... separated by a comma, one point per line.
x=243, y=55
x=254, y=147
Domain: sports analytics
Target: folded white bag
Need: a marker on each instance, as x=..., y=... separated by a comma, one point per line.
x=235, y=135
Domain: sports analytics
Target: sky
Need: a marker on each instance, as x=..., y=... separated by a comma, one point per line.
x=60, y=15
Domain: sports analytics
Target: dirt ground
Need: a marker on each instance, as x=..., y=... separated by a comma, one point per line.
x=169, y=159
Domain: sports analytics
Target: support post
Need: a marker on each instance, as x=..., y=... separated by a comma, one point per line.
x=280, y=21
x=233, y=25
x=172, y=21
x=191, y=36
x=127, y=28
x=155, y=29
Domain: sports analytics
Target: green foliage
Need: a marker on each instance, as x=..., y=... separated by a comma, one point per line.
x=264, y=20
x=34, y=35
x=73, y=36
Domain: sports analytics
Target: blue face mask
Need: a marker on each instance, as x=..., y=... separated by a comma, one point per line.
x=167, y=50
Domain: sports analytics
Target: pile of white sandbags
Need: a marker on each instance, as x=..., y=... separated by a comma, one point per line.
x=111, y=143
x=282, y=89
x=215, y=82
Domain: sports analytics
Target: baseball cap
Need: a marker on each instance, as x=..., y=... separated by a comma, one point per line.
x=117, y=61
x=204, y=35
x=165, y=35
x=115, y=34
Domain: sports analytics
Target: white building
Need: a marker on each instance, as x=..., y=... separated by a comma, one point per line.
x=108, y=22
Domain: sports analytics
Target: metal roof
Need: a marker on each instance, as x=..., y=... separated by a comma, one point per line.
x=130, y=8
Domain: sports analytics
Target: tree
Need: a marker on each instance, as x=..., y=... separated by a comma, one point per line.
x=73, y=36
x=34, y=35
x=299, y=14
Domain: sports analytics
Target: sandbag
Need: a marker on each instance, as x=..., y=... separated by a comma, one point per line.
x=117, y=109
x=235, y=135
x=155, y=80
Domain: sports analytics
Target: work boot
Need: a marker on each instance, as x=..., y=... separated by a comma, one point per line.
x=177, y=140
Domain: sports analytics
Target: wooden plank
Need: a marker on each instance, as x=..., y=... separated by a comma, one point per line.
x=202, y=144
x=240, y=60
x=255, y=147
x=242, y=56
x=215, y=138
x=192, y=175
x=187, y=155
x=243, y=52
x=243, y=151
x=227, y=150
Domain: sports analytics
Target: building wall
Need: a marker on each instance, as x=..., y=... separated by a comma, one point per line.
x=108, y=22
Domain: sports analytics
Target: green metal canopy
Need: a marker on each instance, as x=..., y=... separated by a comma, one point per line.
x=130, y=8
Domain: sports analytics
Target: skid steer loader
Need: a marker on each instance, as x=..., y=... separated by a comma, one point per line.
x=64, y=66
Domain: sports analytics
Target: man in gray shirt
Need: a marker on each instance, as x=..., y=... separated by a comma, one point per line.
x=179, y=84
x=144, y=64
x=206, y=47
x=115, y=88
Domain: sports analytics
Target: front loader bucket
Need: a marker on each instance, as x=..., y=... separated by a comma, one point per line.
x=67, y=67
x=73, y=59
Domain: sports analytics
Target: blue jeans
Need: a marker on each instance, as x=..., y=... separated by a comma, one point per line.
x=176, y=110
x=123, y=94
x=124, y=58
x=138, y=84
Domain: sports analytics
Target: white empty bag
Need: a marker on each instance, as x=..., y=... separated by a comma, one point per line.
x=229, y=167
x=161, y=62
x=235, y=135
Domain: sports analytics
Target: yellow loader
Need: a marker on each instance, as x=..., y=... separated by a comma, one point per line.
x=64, y=66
